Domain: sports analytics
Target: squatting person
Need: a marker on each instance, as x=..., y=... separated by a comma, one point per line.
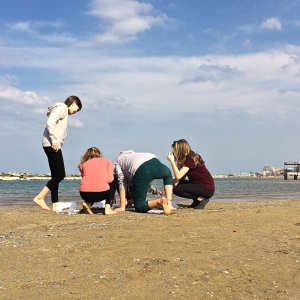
x=97, y=177
x=185, y=162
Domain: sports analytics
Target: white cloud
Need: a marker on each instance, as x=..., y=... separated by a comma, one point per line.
x=33, y=30
x=22, y=26
x=247, y=28
x=272, y=23
x=9, y=93
x=254, y=83
x=31, y=26
x=215, y=73
x=74, y=122
x=122, y=20
x=247, y=42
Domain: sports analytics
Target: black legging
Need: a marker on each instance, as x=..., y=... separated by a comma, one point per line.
x=186, y=189
x=92, y=197
x=57, y=168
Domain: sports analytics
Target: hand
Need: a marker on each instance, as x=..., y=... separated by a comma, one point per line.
x=120, y=209
x=170, y=157
x=159, y=193
x=129, y=203
x=175, y=181
x=55, y=147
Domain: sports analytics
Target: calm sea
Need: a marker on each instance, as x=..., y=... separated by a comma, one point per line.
x=21, y=193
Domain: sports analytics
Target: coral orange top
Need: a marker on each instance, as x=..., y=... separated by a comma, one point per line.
x=96, y=174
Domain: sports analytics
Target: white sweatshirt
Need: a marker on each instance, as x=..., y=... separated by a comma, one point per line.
x=56, y=127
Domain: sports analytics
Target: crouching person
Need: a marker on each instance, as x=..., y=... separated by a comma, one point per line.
x=138, y=170
x=97, y=180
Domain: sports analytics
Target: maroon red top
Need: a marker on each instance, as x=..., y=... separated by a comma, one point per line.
x=199, y=175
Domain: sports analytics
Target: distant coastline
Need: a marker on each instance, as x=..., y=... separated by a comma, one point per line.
x=245, y=177
x=27, y=176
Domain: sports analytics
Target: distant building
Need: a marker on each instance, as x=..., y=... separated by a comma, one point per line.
x=243, y=174
x=271, y=171
x=268, y=171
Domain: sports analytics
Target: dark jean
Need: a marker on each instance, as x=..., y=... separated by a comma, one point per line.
x=187, y=189
x=57, y=168
x=149, y=170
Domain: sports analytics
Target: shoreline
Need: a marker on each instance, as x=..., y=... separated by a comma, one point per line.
x=237, y=250
x=175, y=200
x=78, y=177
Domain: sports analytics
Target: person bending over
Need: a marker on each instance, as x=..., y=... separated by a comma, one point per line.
x=97, y=177
x=128, y=193
x=138, y=170
x=200, y=187
x=53, y=138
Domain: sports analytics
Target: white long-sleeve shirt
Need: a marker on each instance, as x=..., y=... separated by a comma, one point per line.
x=55, y=131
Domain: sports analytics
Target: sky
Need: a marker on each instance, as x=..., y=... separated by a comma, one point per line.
x=224, y=75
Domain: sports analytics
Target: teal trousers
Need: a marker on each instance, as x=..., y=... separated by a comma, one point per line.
x=149, y=170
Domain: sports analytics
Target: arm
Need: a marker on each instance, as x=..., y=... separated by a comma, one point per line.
x=122, y=199
x=122, y=182
x=54, y=116
x=110, y=173
x=154, y=191
x=178, y=174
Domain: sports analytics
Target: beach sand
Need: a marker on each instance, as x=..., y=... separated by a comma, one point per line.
x=230, y=250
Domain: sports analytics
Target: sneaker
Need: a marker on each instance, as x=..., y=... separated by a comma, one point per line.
x=194, y=204
x=202, y=204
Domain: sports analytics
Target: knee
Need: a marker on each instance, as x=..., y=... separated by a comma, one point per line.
x=141, y=208
x=60, y=177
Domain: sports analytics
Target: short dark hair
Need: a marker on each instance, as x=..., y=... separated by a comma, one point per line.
x=72, y=99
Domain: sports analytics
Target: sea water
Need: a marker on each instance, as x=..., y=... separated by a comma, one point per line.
x=21, y=192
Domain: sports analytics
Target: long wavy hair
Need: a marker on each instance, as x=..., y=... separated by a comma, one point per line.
x=89, y=154
x=182, y=150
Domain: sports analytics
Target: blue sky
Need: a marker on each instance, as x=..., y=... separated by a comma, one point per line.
x=224, y=75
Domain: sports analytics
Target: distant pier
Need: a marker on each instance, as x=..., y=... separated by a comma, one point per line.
x=291, y=170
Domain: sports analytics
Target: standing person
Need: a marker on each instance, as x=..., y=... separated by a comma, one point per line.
x=97, y=177
x=53, y=138
x=138, y=170
x=185, y=162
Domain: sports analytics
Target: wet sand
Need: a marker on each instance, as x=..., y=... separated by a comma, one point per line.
x=230, y=250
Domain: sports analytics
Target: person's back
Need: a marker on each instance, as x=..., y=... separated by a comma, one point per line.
x=97, y=180
x=139, y=169
x=96, y=175
x=130, y=161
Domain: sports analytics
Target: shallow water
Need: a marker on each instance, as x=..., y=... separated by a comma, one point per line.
x=21, y=193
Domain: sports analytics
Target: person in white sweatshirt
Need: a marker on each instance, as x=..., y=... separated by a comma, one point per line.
x=53, y=138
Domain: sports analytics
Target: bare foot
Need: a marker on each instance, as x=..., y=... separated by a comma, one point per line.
x=54, y=207
x=119, y=210
x=41, y=203
x=171, y=205
x=108, y=210
x=86, y=209
x=165, y=206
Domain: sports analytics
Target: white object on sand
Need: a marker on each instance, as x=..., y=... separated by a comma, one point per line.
x=100, y=204
x=66, y=208
x=155, y=211
x=66, y=205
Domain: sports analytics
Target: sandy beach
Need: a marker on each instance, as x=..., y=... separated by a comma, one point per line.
x=230, y=250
